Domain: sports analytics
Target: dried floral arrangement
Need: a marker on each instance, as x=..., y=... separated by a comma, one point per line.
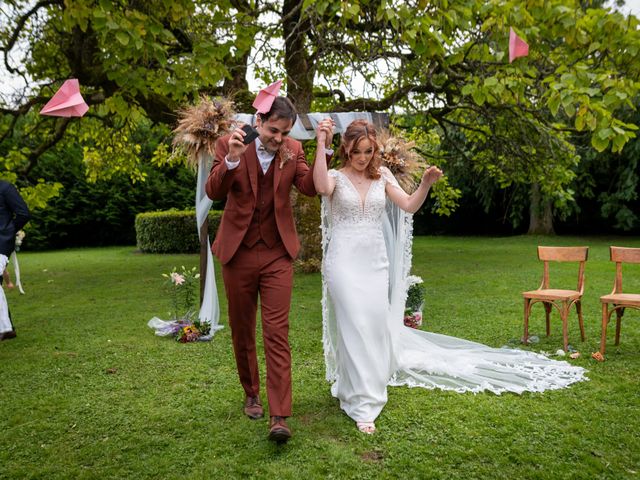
x=200, y=126
x=404, y=162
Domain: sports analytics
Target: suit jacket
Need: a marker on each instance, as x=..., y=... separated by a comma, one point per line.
x=240, y=186
x=14, y=214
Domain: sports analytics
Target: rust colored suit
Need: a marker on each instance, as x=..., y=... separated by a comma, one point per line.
x=256, y=244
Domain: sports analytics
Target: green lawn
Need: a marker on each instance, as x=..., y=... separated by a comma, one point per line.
x=87, y=390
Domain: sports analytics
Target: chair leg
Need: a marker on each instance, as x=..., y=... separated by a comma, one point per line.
x=547, y=313
x=525, y=338
x=605, y=320
x=619, y=314
x=580, y=321
x=565, y=328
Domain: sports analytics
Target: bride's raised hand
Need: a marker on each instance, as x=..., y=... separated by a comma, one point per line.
x=321, y=180
x=431, y=175
x=324, y=132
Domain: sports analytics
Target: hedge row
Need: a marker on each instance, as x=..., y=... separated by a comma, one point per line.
x=172, y=231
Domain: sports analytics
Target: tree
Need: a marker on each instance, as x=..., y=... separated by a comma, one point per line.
x=445, y=61
x=137, y=62
x=449, y=62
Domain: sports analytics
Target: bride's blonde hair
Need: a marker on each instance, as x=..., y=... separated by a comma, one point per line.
x=355, y=132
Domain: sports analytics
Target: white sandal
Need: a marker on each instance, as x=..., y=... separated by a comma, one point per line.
x=366, y=427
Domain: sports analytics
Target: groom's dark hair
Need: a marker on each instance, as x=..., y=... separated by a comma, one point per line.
x=281, y=108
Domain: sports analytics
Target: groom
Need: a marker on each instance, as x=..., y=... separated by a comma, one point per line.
x=256, y=244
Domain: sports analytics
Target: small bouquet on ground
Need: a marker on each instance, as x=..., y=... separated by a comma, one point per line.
x=415, y=302
x=183, y=326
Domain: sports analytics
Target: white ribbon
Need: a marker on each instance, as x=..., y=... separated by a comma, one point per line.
x=16, y=271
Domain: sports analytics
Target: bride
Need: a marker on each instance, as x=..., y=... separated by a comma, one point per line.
x=367, y=256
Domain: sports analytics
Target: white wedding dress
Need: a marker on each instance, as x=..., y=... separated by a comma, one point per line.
x=367, y=257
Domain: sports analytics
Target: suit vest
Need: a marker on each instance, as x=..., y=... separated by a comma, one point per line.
x=263, y=223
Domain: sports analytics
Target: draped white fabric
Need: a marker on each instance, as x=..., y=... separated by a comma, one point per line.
x=16, y=271
x=210, y=308
x=366, y=344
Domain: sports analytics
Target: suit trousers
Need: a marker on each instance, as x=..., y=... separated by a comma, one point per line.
x=268, y=273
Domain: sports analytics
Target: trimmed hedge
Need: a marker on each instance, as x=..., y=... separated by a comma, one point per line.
x=172, y=231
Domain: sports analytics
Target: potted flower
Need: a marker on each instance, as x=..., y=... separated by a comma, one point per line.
x=415, y=302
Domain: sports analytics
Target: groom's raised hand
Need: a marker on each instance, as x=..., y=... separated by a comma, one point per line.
x=236, y=145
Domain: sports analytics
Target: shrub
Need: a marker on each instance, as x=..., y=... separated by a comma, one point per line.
x=103, y=213
x=172, y=231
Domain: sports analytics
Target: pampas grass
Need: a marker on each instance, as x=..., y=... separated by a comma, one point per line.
x=405, y=164
x=201, y=125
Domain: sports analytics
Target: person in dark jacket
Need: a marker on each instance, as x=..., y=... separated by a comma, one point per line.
x=14, y=214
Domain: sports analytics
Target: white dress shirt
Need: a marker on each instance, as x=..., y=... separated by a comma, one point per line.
x=264, y=157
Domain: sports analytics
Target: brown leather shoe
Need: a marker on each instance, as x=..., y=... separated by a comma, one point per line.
x=279, y=431
x=8, y=335
x=253, y=408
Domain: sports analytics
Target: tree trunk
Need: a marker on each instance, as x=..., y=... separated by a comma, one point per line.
x=540, y=213
x=238, y=80
x=299, y=66
x=300, y=70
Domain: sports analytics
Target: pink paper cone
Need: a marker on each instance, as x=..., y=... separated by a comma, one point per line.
x=517, y=46
x=67, y=101
x=266, y=96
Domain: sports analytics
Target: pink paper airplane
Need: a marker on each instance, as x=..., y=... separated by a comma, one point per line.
x=67, y=101
x=266, y=96
x=517, y=46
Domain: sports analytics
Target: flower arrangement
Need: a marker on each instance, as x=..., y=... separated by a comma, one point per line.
x=201, y=125
x=181, y=286
x=415, y=301
x=183, y=327
x=399, y=157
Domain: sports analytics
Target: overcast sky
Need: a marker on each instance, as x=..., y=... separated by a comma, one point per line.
x=632, y=6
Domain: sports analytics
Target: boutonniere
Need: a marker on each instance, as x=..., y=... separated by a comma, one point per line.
x=285, y=156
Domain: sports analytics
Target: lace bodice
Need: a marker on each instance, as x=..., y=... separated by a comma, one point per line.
x=347, y=207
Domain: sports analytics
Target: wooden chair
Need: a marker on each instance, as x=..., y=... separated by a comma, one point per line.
x=616, y=298
x=561, y=299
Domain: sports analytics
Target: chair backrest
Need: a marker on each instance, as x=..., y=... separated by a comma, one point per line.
x=622, y=255
x=563, y=254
